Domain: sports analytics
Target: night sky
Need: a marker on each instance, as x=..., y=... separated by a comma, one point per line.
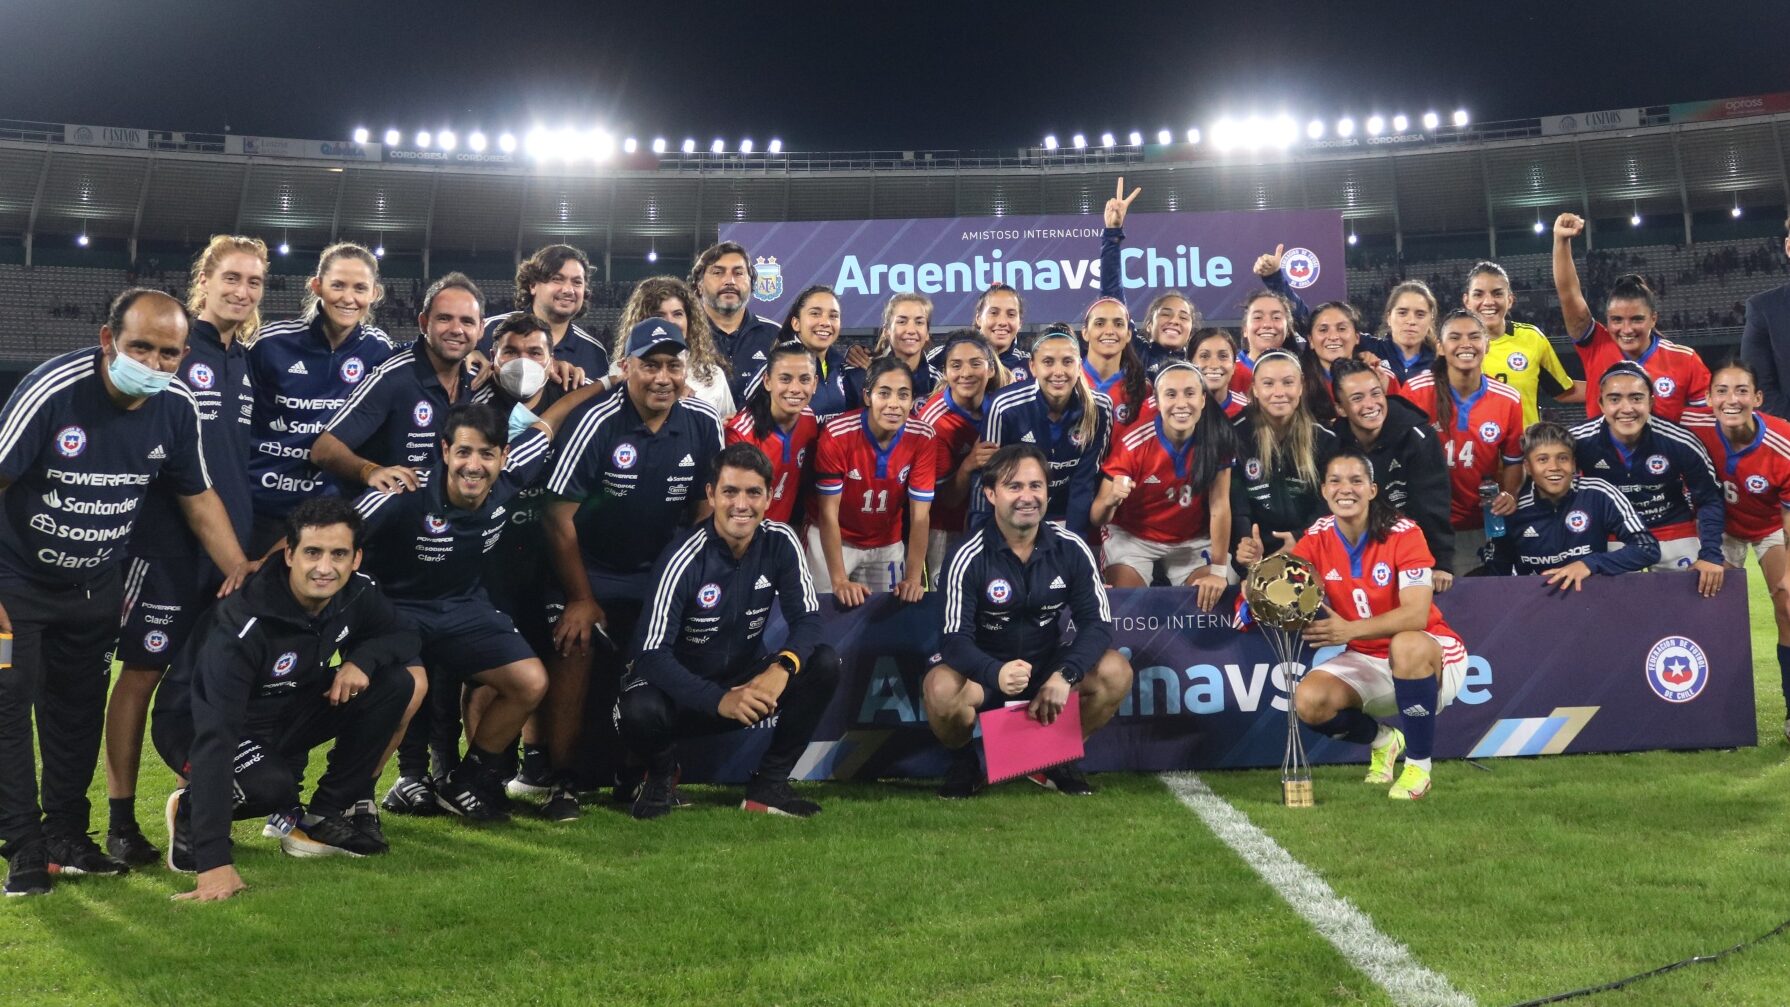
x=862, y=75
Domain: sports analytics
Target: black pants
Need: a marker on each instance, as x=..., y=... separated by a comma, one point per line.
x=270, y=760
x=602, y=758
x=434, y=730
x=651, y=721
x=62, y=639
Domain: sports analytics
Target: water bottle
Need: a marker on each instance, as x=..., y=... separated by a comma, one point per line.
x=1494, y=525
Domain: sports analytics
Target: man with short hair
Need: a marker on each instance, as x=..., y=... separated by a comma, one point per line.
x=700, y=665
x=252, y=693
x=81, y=439
x=725, y=279
x=1005, y=588
x=552, y=285
x=386, y=433
x=1765, y=342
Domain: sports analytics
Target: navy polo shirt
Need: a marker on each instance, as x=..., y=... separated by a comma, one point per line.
x=579, y=348
x=219, y=380
x=636, y=487
x=746, y=349
x=420, y=547
x=78, y=466
x=393, y=417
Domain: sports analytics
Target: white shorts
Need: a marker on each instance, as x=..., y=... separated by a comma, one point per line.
x=878, y=569
x=1734, y=549
x=1678, y=553
x=1178, y=560
x=1371, y=677
x=1467, y=542
x=940, y=544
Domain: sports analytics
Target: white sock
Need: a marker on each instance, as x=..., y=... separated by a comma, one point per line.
x=1423, y=764
x=1382, y=737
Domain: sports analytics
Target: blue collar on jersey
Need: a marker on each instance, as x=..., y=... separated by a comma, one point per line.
x=951, y=404
x=1244, y=359
x=1354, y=550
x=1180, y=456
x=1627, y=454
x=1100, y=384
x=1412, y=361
x=1071, y=417
x=1646, y=354
x=1733, y=457
x=1463, y=408
x=882, y=454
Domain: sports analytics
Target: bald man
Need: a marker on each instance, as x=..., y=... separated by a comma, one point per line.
x=81, y=439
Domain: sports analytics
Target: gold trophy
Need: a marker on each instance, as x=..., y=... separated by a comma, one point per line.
x=1284, y=593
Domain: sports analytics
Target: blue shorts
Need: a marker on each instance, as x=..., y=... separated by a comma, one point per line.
x=994, y=699
x=464, y=637
x=163, y=597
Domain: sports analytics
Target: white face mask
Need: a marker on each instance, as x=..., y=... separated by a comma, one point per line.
x=521, y=377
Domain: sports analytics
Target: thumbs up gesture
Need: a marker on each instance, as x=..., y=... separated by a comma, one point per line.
x=1249, y=550
x=1268, y=263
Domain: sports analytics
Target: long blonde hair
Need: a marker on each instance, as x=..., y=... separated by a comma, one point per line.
x=884, y=344
x=1298, y=445
x=206, y=263
x=343, y=250
x=1090, y=417
x=704, y=358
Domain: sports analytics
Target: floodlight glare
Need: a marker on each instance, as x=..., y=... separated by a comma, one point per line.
x=1460, y=117
x=507, y=143
x=1164, y=137
x=1345, y=127
x=1400, y=123
x=1375, y=125
x=689, y=145
x=422, y=138
x=1314, y=130
x=1136, y=138
x=1078, y=141
x=475, y=140
x=1193, y=135
x=776, y=146
x=360, y=134
x=393, y=138
x=630, y=145
x=1050, y=142
x=1106, y=140
x=717, y=147
x=746, y=145
x=658, y=145
x=1431, y=120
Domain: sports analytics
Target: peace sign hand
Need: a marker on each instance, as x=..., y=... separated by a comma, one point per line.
x=1120, y=204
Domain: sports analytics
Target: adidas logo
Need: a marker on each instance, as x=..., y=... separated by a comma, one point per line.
x=297, y=368
x=1530, y=532
x=687, y=462
x=1028, y=438
x=1394, y=465
x=1151, y=479
x=1057, y=584
x=758, y=356
x=343, y=635
x=157, y=452
x=1333, y=575
x=853, y=474
x=763, y=582
x=1601, y=464
x=1415, y=710
x=658, y=330
x=497, y=513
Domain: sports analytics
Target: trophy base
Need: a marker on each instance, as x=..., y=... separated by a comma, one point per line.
x=1296, y=793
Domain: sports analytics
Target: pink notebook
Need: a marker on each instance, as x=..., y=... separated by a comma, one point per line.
x=1015, y=744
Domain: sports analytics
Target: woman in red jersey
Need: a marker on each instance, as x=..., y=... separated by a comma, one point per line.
x=777, y=421
x=969, y=372
x=1111, y=362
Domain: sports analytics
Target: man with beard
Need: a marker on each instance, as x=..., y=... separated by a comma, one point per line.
x=724, y=279
x=551, y=285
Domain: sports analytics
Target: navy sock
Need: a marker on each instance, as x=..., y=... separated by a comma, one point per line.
x=1784, y=672
x=1417, y=712
x=1349, y=725
x=121, y=812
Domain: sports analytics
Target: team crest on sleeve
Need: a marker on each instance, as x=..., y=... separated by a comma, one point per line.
x=1489, y=431
x=1577, y=521
x=625, y=455
x=999, y=591
x=1677, y=669
x=71, y=441
x=1122, y=412
x=422, y=413
x=1252, y=469
x=436, y=525
x=904, y=471
x=285, y=664
x=1382, y=574
x=1756, y=483
x=202, y=376
x=1656, y=464
x=1518, y=361
x=709, y=595
x=770, y=279
x=1664, y=386
x=352, y=370
x=155, y=641
x=1301, y=267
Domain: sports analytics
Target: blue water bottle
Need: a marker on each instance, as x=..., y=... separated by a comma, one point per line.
x=1488, y=493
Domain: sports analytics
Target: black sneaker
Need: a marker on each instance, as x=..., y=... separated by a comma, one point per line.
x=28, y=872
x=364, y=816
x=334, y=836
x=132, y=847
x=655, y=797
x=526, y=784
x=776, y=797
x=179, y=816
x=1064, y=779
x=562, y=805
x=461, y=793
x=79, y=854
x=964, y=778
x=411, y=796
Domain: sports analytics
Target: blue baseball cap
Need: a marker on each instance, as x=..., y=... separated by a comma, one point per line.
x=655, y=335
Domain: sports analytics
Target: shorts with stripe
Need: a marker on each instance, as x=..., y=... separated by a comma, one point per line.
x=1371, y=677
x=879, y=569
x=163, y=597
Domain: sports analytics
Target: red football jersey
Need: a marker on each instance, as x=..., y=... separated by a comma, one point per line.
x=1163, y=506
x=791, y=456
x=1364, y=581
x=1234, y=403
x=1755, y=479
x=954, y=433
x=1126, y=414
x=1486, y=435
x=1243, y=377
x=1680, y=378
x=874, y=484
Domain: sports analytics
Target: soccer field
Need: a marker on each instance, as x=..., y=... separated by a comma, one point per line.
x=1527, y=878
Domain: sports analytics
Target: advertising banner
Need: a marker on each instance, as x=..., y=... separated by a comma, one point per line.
x=279, y=146
x=1631, y=663
x=105, y=136
x=1731, y=108
x=1054, y=261
x=1589, y=122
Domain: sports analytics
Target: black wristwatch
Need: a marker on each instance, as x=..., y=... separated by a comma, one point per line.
x=1068, y=676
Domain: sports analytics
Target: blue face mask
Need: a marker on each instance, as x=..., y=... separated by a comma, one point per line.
x=137, y=379
x=521, y=418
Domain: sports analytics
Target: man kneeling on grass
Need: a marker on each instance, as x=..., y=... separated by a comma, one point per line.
x=252, y=693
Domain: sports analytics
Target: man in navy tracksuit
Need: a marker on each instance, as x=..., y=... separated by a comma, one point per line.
x=725, y=281
x=1006, y=588
x=81, y=439
x=253, y=692
x=551, y=285
x=700, y=664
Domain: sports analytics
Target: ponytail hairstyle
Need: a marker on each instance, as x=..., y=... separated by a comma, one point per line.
x=886, y=345
x=1422, y=290
x=1297, y=448
x=998, y=375
x=1214, y=443
x=1439, y=370
x=1090, y=415
x=1137, y=376
x=343, y=250
x=1737, y=363
x=1344, y=369
x=1381, y=514
x=759, y=402
x=207, y=262
x=1633, y=287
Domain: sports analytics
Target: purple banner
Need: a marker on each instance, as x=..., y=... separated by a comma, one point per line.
x=1053, y=260
x=1631, y=663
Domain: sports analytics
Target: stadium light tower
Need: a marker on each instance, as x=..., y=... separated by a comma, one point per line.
x=1431, y=120
x=393, y=138
x=658, y=145
x=630, y=145
x=1400, y=123
x=1314, y=130
x=718, y=146
x=475, y=141
x=423, y=138
x=776, y=146
x=1078, y=141
x=689, y=145
x=1375, y=125
x=1050, y=141
x=1107, y=140
x=1460, y=117
x=1193, y=135
x=1345, y=127
x=1164, y=137
x=746, y=145
x=360, y=134
x=507, y=143
x=447, y=139
x=1136, y=138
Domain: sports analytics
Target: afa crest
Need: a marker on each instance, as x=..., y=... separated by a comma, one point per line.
x=769, y=286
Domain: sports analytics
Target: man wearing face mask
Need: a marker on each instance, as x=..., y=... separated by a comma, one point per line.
x=81, y=439
x=386, y=432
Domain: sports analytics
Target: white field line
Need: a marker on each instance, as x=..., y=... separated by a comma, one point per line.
x=1348, y=929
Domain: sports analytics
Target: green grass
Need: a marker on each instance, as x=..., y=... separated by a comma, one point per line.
x=1538, y=876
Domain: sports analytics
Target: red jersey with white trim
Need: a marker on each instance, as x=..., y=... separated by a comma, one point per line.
x=1755, y=479
x=791, y=455
x=1680, y=378
x=1486, y=435
x=1363, y=580
x=874, y=483
x=1164, y=506
x=955, y=433
x=1126, y=414
x=1243, y=376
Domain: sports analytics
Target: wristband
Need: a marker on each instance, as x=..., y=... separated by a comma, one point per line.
x=366, y=470
x=789, y=661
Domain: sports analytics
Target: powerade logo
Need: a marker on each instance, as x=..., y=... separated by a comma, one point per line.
x=709, y=595
x=71, y=441
x=1677, y=669
x=1301, y=267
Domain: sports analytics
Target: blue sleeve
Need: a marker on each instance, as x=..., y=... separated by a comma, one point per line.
x=1706, y=497
x=1084, y=486
x=657, y=662
x=1640, y=549
x=364, y=412
x=795, y=593
x=1112, y=268
x=527, y=457
x=1756, y=349
x=1088, y=604
x=957, y=643
x=1301, y=313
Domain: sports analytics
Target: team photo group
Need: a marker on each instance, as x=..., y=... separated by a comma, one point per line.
x=526, y=559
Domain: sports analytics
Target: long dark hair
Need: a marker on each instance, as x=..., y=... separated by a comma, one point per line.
x=1130, y=361
x=1381, y=514
x=1214, y=442
x=795, y=308
x=759, y=404
x=1439, y=368
x=1320, y=388
x=885, y=365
